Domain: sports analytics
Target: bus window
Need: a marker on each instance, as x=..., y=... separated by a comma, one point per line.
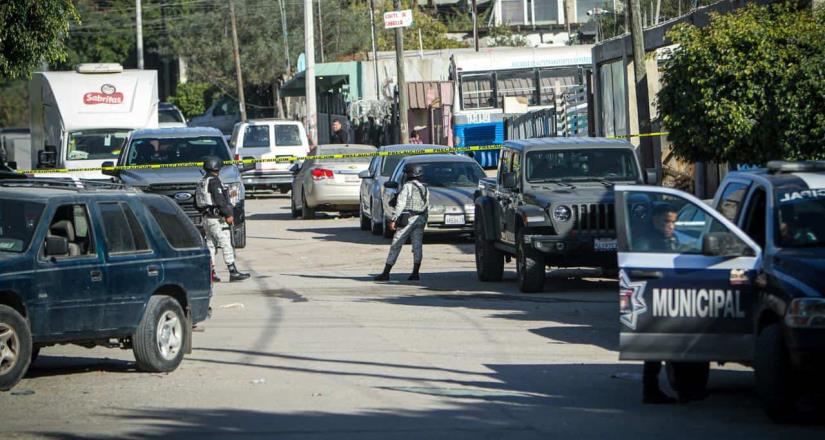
x=520, y=83
x=477, y=91
x=565, y=79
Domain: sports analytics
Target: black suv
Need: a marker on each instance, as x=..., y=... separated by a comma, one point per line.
x=87, y=264
x=738, y=281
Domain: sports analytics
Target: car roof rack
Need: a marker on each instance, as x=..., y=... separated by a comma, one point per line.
x=67, y=184
x=785, y=166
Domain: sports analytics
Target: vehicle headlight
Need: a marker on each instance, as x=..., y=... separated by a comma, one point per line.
x=435, y=209
x=562, y=213
x=234, y=190
x=469, y=209
x=806, y=312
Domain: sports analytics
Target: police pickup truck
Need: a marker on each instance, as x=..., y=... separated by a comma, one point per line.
x=738, y=281
x=551, y=204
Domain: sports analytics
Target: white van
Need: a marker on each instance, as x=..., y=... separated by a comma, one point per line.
x=79, y=119
x=265, y=139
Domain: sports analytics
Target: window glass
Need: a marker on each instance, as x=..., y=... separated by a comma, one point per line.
x=18, y=221
x=287, y=136
x=516, y=84
x=95, y=144
x=390, y=162
x=800, y=217
x=178, y=230
x=226, y=107
x=452, y=174
x=148, y=151
x=731, y=201
x=169, y=115
x=477, y=91
x=504, y=163
x=754, y=224
x=556, y=83
x=72, y=223
x=256, y=136
x=656, y=223
x=582, y=165
x=122, y=232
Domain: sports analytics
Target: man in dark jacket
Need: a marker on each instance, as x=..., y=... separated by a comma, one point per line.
x=339, y=135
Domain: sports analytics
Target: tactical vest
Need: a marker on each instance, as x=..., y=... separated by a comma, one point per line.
x=203, y=199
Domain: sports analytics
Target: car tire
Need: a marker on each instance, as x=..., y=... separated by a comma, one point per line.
x=307, y=213
x=489, y=260
x=15, y=347
x=529, y=266
x=688, y=379
x=385, y=229
x=295, y=212
x=159, y=340
x=376, y=227
x=775, y=386
x=365, y=221
x=239, y=236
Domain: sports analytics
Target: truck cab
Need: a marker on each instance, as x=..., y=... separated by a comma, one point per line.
x=736, y=281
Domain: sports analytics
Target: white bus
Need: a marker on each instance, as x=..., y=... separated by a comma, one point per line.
x=538, y=77
x=79, y=119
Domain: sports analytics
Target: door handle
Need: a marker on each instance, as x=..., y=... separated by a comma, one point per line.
x=646, y=274
x=96, y=275
x=153, y=271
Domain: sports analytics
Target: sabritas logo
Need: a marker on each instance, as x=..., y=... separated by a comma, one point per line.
x=107, y=95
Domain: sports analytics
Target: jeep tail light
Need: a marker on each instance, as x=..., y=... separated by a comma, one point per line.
x=322, y=173
x=237, y=156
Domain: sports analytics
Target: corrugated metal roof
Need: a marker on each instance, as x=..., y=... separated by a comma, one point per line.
x=570, y=142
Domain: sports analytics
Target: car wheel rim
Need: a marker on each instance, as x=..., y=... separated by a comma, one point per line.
x=169, y=335
x=9, y=348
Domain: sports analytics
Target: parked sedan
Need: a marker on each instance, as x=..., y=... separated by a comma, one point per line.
x=451, y=179
x=328, y=184
x=372, y=183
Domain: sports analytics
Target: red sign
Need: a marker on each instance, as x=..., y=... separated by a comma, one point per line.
x=107, y=95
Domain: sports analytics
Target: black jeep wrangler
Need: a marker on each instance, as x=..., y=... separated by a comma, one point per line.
x=551, y=205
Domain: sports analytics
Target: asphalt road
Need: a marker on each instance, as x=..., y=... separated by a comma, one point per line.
x=310, y=347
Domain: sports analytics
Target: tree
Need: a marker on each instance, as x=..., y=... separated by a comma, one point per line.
x=748, y=87
x=433, y=32
x=31, y=32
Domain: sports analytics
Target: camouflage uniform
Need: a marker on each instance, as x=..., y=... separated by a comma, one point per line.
x=414, y=198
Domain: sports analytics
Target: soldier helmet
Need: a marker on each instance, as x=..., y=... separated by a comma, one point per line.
x=212, y=163
x=413, y=171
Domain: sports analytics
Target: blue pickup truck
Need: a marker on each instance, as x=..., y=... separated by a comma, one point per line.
x=97, y=265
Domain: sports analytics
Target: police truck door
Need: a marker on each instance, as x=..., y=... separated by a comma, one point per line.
x=685, y=287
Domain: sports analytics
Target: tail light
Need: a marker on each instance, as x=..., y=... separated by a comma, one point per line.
x=322, y=173
x=237, y=156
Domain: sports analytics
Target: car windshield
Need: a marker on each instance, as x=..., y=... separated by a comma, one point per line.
x=169, y=115
x=452, y=174
x=95, y=144
x=287, y=136
x=581, y=165
x=799, y=216
x=18, y=221
x=148, y=151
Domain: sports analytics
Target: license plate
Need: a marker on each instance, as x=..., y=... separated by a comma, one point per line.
x=352, y=179
x=454, y=219
x=604, y=244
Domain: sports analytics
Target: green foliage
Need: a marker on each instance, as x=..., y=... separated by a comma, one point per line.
x=14, y=104
x=107, y=34
x=30, y=33
x=748, y=88
x=191, y=98
x=503, y=36
x=432, y=33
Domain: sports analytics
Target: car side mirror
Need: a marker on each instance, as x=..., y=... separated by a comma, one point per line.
x=364, y=174
x=651, y=177
x=723, y=244
x=47, y=158
x=508, y=180
x=109, y=172
x=391, y=184
x=57, y=246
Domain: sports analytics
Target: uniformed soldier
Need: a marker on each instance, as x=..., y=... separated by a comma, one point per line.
x=410, y=216
x=213, y=202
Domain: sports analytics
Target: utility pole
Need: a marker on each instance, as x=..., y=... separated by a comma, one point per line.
x=374, y=50
x=321, y=31
x=475, y=26
x=402, y=82
x=309, y=75
x=139, y=26
x=285, y=36
x=640, y=74
x=237, y=55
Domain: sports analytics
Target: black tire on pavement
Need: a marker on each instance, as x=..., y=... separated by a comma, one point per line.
x=688, y=379
x=376, y=227
x=529, y=266
x=775, y=384
x=293, y=210
x=365, y=221
x=148, y=339
x=16, y=342
x=489, y=260
x=239, y=236
x=307, y=213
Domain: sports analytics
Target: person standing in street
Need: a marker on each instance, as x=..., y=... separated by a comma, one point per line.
x=408, y=220
x=212, y=200
x=339, y=135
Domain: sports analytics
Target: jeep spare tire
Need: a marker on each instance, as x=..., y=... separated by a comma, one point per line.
x=15, y=347
x=158, y=342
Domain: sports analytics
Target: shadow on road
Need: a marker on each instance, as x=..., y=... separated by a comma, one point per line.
x=47, y=366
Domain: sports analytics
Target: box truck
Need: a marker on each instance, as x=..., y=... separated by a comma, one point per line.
x=79, y=119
